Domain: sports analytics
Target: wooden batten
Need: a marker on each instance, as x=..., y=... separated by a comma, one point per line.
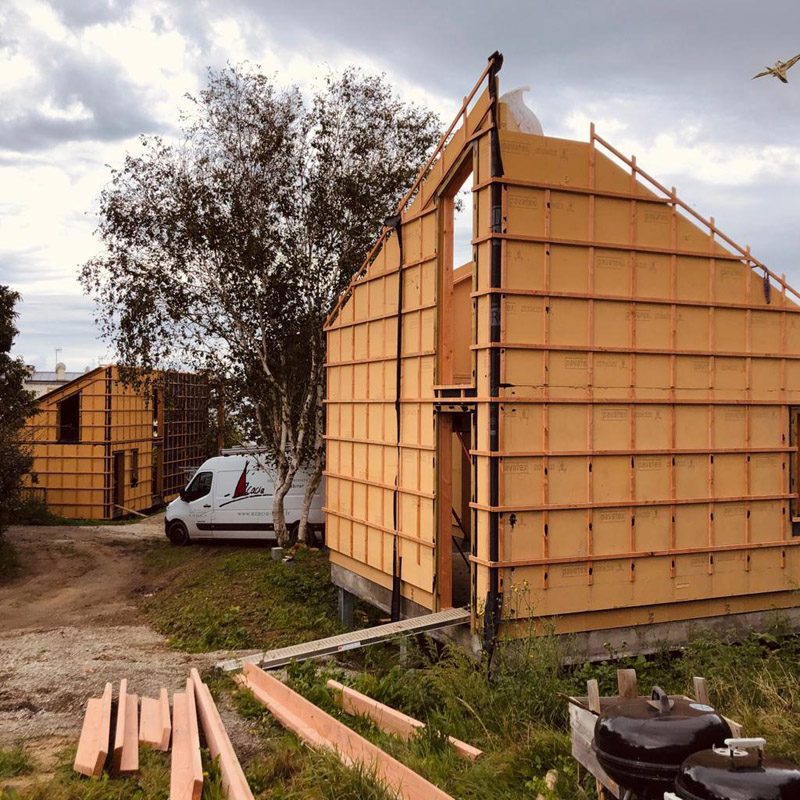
x=95, y=739
x=233, y=779
x=186, y=771
x=390, y=720
x=155, y=726
x=126, y=733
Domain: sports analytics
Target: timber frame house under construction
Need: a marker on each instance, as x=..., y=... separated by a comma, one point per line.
x=102, y=448
x=593, y=422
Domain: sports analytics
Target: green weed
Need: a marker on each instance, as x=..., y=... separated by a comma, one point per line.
x=14, y=761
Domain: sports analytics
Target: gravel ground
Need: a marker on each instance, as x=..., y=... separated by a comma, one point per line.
x=69, y=623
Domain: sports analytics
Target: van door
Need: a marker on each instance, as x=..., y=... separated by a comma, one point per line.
x=243, y=503
x=200, y=519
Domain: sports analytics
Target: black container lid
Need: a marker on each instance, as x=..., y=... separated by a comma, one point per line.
x=660, y=730
x=737, y=771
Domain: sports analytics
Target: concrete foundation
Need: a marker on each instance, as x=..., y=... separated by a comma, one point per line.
x=599, y=645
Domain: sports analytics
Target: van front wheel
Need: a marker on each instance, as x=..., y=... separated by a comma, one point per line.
x=177, y=533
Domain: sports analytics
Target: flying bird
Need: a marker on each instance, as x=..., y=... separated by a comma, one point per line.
x=780, y=69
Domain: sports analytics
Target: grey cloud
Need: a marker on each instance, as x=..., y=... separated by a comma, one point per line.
x=77, y=14
x=117, y=109
x=64, y=321
x=698, y=57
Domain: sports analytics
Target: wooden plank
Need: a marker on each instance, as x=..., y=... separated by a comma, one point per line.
x=186, y=774
x=582, y=722
x=626, y=681
x=593, y=695
x=351, y=640
x=390, y=720
x=701, y=690
x=93, y=745
x=166, y=724
x=219, y=744
x=126, y=732
x=154, y=722
x=321, y=730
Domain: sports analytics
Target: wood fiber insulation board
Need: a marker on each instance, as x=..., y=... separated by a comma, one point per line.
x=219, y=744
x=321, y=730
x=154, y=723
x=390, y=720
x=186, y=774
x=93, y=745
x=126, y=734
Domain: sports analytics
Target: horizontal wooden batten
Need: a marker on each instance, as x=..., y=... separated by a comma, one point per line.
x=647, y=351
x=598, y=245
x=403, y=445
x=379, y=317
x=704, y=451
x=589, y=558
x=622, y=504
x=378, y=485
x=378, y=359
x=407, y=537
x=638, y=299
x=518, y=183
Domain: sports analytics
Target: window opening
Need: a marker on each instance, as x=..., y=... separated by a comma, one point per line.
x=69, y=418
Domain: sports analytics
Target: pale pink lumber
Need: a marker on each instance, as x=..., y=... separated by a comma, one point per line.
x=126, y=734
x=390, y=720
x=322, y=730
x=95, y=738
x=154, y=723
x=186, y=773
x=219, y=744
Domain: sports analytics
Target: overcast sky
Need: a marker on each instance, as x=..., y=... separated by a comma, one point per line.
x=667, y=80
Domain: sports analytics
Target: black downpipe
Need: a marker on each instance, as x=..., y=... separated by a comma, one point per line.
x=394, y=222
x=494, y=597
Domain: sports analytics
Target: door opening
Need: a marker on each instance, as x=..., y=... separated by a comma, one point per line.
x=454, y=514
x=119, y=484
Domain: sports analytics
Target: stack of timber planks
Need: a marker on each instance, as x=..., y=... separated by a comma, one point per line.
x=154, y=725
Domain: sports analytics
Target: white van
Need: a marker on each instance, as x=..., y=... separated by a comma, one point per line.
x=230, y=497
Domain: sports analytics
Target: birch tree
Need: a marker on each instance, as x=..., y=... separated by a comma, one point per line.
x=226, y=249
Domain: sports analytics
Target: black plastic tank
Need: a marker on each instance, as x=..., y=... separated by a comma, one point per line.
x=737, y=771
x=642, y=743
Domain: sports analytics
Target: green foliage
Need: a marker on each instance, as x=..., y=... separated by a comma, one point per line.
x=16, y=405
x=14, y=761
x=221, y=598
x=9, y=561
x=34, y=511
x=151, y=782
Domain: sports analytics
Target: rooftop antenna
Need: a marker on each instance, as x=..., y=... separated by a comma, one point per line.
x=58, y=350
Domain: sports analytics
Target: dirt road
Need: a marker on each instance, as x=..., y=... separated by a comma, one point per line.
x=69, y=623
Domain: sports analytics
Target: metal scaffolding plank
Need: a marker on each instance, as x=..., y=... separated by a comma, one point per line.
x=352, y=640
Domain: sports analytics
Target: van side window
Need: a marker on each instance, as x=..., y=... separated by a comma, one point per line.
x=200, y=485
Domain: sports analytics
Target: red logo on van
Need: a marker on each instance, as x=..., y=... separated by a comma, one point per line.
x=243, y=490
x=241, y=486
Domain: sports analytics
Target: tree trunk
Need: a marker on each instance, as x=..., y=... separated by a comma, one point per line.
x=282, y=533
x=305, y=534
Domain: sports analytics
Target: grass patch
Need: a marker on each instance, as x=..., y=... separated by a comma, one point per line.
x=14, y=761
x=150, y=783
x=211, y=597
